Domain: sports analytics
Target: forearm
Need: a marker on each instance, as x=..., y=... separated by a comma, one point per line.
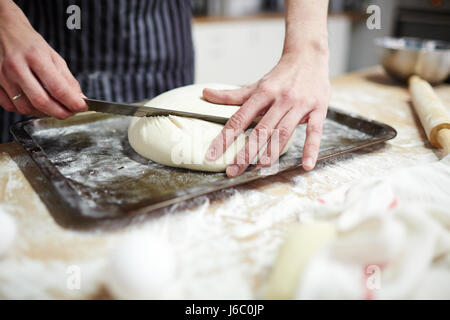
x=306, y=27
x=9, y=11
x=12, y=20
x=295, y=91
x=6, y=5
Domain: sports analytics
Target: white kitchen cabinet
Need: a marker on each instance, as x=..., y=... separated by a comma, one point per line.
x=241, y=51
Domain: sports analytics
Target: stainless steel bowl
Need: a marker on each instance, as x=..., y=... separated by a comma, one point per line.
x=404, y=57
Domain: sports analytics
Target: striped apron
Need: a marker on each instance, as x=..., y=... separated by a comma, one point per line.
x=125, y=50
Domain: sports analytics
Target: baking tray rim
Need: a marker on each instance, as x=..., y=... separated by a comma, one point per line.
x=63, y=188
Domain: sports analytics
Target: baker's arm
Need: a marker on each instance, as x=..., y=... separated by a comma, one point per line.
x=27, y=64
x=296, y=90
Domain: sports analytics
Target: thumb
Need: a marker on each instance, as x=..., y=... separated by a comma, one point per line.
x=235, y=97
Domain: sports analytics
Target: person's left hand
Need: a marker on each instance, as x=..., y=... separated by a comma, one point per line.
x=295, y=91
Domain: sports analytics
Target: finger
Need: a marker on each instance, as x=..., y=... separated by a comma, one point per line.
x=232, y=97
x=312, y=141
x=21, y=104
x=39, y=114
x=5, y=102
x=57, y=85
x=38, y=96
x=236, y=125
x=64, y=70
x=33, y=111
x=30, y=109
x=258, y=138
x=304, y=119
x=279, y=139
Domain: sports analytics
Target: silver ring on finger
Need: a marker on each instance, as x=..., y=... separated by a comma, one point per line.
x=17, y=96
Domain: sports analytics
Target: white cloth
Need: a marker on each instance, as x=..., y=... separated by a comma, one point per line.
x=7, y=231
x=393, y=238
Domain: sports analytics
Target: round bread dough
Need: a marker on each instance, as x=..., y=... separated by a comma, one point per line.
x=182, y=142
x=142, y=266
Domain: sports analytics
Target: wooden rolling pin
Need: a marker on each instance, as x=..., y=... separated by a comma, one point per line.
x=303, y=241
x=433, y=115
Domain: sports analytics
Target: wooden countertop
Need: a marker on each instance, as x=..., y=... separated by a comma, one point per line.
x=351, y=15
x=37, y=264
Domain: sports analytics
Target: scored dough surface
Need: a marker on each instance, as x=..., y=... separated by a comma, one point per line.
x=182, y=142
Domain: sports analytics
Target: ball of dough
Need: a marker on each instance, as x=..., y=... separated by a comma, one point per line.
x=7, y=231
x=141, y=267
x=182, y=142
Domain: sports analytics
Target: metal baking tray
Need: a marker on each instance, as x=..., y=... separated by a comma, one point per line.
x=97, y=177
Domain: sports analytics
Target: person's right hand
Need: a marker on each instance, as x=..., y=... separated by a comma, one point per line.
x=30, y=68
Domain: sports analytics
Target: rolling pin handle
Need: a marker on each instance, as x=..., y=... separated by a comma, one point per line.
x=433, y=115
x=443, y=138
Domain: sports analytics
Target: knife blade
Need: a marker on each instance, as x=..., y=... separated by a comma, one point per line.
x=136, y=110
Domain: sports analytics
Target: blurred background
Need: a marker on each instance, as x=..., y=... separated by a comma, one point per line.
x=239, y=41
